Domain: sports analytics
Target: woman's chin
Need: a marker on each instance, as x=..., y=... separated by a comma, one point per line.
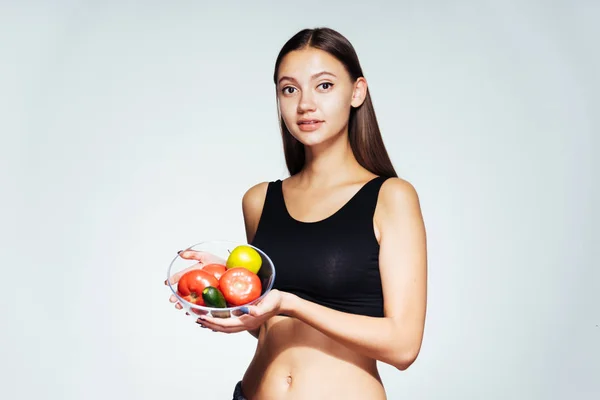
x=312, y=139
x=309, y=140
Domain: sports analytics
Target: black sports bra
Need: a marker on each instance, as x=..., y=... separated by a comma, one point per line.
x=333, y=262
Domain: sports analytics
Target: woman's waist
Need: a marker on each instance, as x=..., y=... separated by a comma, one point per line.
x=291, y=345
x=305, y=372
x=295, y=361
x=310, y=363
x=281, y=385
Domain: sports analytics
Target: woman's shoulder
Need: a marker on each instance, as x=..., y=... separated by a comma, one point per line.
x=396, y=186
x=255, y=195
x=397, y=193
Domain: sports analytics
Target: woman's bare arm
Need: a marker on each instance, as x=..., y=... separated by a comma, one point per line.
x=252, y=206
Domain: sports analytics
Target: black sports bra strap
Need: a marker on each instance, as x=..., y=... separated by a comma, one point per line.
x=365, y=201
x=274, y=207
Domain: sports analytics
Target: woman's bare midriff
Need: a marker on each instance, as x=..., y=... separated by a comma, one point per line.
x=295, y=361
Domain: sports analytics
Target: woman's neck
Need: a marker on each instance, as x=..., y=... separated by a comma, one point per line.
x=329, y=164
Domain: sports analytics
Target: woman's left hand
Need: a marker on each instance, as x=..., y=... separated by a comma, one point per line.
x=256, y=315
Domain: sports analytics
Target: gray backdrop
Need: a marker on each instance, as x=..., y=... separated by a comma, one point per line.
x=131, y=130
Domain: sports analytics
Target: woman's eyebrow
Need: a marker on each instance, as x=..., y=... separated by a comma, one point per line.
x=315, y=76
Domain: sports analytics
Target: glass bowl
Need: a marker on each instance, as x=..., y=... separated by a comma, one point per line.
x=217, y=251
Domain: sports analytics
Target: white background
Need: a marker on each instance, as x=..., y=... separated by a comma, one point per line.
x=131, y=130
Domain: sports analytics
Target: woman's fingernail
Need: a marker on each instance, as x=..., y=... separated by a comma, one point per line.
x=244, y=310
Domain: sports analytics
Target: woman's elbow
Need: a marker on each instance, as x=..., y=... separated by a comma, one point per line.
x=405, y=348
x=406, y=358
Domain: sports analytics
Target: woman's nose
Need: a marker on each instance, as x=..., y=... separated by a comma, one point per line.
x=306, y=103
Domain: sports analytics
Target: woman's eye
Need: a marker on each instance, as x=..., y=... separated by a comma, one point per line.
x=326, y=85
x=287, y=90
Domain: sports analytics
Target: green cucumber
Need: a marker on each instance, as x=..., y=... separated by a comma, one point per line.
x=213, y=297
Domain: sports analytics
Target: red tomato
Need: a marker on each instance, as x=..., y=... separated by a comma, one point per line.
x=192, y=283
x=215, y=269
x=240, y=286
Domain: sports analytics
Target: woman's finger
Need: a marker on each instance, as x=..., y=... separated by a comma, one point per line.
x=218, y=328
x=203, y=259
x=175, y=277
x=174, y=299
x=255, y=311
x=192, y=255
x=208, y=324
x=226, y=324
x=203, y=256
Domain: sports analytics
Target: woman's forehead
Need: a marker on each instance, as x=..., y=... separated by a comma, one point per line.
x=309, y=63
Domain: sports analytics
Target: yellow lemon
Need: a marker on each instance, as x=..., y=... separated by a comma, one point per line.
x=246, y=257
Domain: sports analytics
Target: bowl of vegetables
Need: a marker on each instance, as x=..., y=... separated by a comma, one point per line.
x=219, y=278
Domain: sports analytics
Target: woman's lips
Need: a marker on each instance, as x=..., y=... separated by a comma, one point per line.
x=309, y=125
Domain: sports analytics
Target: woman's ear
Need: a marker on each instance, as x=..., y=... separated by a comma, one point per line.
x=359, y=94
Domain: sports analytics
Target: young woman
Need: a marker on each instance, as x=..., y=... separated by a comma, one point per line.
x=346, y=236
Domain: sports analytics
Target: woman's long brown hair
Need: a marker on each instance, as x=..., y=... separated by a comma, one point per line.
x=363, y=130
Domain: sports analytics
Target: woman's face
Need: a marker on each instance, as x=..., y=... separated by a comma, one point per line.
x=315, y=94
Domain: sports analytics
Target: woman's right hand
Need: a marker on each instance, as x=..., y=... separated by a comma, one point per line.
x=203, y=258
